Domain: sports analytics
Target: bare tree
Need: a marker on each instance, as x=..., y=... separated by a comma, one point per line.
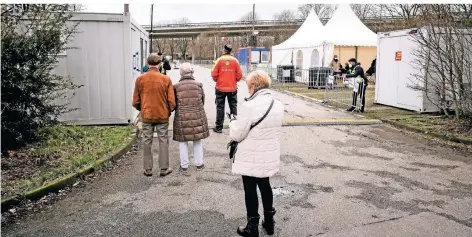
x=283, y=34
x=172, y=45
x=443, y=58
x=159, y=44
x=247, y=37
x=364, y=11
x=182, y=43
x=248, y=16
x=285, y=15
x=405, y=11
x=324, y=11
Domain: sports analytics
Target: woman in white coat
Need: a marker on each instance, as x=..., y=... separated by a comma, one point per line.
x=258, y=153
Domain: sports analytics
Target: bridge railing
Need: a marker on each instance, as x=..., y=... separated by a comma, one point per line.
x=207, y=24
x=270, y=22
x=259, y=22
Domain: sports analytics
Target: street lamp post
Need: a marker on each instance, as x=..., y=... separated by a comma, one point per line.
x=253, y=25
x=150, y=33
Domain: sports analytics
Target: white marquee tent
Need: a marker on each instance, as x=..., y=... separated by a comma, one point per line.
x=346, y=29
x=302, y=43
x=314, y=44
x=348, y=37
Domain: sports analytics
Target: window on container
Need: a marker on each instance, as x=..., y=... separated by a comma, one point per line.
x=265, y=56
x=145, y=54
x=141, y=44
x=299, y=59
x=255, y=56
x=145, y=50
x=315, y=58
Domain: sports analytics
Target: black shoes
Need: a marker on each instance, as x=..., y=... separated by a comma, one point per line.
x=268, y=223
x=352, y=108
x=201, y=167
x=217, y=130
x=148, y=173
x=251, y=229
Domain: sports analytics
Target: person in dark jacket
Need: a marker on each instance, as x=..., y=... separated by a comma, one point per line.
x=371, y=70
x=165, y=65
x=190, y=121
x=345, y=69
x=360, y=84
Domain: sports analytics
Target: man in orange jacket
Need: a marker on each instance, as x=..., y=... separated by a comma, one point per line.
x=154, y=97
x=226, y=73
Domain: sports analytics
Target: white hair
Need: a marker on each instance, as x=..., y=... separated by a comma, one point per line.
x=186, y=69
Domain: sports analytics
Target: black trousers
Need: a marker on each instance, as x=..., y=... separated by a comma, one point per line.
x=250, y=192
x=360, y=92
x=220, y=106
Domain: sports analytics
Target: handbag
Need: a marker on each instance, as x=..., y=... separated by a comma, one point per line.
x=233, y=145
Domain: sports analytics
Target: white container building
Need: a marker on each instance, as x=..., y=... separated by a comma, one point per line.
x=106, y=56
x=396, y=68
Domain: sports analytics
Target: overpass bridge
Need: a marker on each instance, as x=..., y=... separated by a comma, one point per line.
x=264, y=27
x=238, y=28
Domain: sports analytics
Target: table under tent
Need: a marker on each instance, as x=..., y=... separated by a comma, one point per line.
x=305, y=57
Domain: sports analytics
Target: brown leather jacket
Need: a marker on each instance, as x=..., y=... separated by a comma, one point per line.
x=190, y=121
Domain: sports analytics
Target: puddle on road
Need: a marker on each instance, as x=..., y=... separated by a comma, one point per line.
x=282, y=191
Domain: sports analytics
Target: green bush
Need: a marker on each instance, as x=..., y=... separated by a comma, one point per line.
x=33, y=35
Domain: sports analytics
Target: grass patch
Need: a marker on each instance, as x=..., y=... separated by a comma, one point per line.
x=63, y=150
x=428, y=123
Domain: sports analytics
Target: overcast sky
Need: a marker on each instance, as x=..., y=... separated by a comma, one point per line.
x=141, y=12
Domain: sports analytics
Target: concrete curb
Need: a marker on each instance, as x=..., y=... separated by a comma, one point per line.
x=64, y=181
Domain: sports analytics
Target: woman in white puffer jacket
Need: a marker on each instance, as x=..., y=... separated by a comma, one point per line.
x=258, y=153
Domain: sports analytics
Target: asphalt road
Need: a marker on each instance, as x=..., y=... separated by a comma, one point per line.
x=334, y=181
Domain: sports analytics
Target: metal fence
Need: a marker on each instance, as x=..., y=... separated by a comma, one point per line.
x=340, y=92
x=196, y=62
x=318, y=83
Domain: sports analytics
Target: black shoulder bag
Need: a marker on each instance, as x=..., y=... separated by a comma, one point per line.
x=233, y=145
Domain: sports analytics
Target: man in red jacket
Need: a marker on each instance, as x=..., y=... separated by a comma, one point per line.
x=226, y=73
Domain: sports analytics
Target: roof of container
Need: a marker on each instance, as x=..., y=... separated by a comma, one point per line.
x=310, y=34
x=346, y=29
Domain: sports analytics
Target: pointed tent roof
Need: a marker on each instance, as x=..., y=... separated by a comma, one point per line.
x=345, y=28
x=311, y=33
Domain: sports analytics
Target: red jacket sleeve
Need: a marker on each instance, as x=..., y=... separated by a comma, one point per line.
x=215, y=71
x=239, y=73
